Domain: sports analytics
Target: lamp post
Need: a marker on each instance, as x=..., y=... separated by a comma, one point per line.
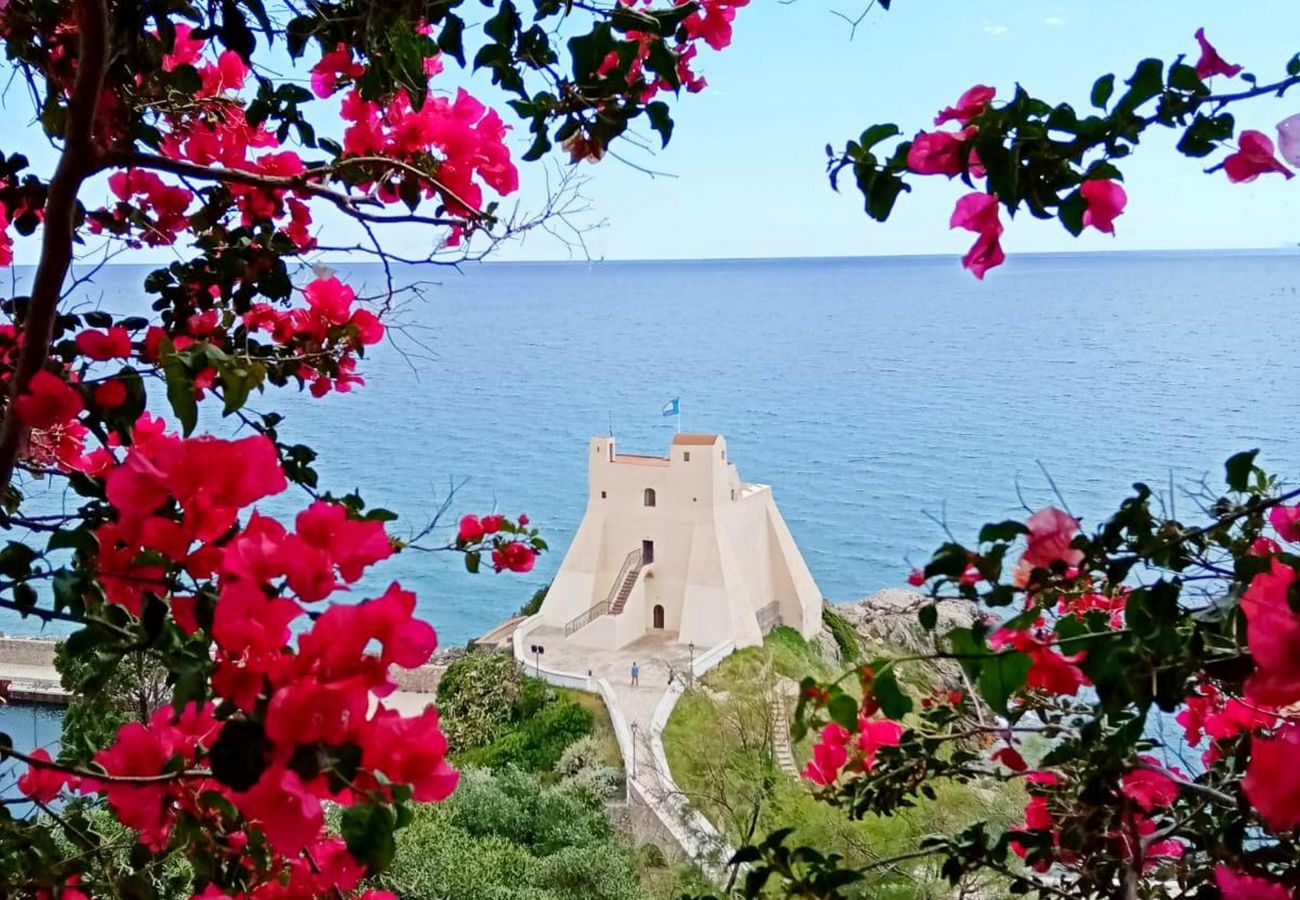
x=538, y=650
x=691, y=647
x=634, y=727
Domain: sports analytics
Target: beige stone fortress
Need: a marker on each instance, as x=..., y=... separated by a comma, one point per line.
x=679, y=546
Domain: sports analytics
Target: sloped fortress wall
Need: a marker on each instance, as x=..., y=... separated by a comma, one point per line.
x=679, y=545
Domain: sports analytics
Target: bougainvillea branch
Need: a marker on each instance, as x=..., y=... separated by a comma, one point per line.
x=1056, y=162
x=278, y=695
x=77, y=162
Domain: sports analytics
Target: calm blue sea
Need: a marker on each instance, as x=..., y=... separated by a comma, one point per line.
x=868, y=393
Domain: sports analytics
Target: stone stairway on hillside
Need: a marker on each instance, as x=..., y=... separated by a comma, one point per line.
x=782, y=752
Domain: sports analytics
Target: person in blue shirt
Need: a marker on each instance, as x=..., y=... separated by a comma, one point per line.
x=636, y=674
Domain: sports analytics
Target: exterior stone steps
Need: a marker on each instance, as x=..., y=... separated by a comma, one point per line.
x=782, y=752
x=624, y=592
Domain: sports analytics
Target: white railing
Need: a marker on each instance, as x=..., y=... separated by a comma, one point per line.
x=632, y=563
x=698, y=837
x=533, y=666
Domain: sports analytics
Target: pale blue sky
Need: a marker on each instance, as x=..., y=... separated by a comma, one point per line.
x=747, y=159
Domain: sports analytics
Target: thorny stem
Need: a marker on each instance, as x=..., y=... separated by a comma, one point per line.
x=79, y=160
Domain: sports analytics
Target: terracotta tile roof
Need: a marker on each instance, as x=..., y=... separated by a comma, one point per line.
x=695, y=439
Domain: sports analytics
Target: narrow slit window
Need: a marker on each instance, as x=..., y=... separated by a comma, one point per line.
x=649, y=496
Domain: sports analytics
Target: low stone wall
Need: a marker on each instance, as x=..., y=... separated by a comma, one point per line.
x=26, y=651
x=423, y=680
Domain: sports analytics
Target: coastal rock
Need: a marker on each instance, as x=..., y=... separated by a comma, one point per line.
x=888, y=618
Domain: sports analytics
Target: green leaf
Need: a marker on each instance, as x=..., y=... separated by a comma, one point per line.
x=472, y=563
x=1001, y=677
x=928, y=616
x=884, y=192
x=877, y=133
x=1184, y=78
x=180, y=388
x=1007, y=530
x=1238, y=467
x=1293, y=67
x=1147, y=81
x=660, y=120
x=844, y=710
x=893, y=702
x=1071, y=212
x=368, y=829
x=1102, y=90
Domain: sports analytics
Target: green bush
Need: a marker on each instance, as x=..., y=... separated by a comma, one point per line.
x=538, y=742
x=534, y=604
x=508, y=837
x=478, y=697
x=845, y=637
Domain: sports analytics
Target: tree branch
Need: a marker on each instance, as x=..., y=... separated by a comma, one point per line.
x=79, y=160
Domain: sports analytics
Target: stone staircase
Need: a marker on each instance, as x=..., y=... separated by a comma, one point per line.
x=782, y=752
x=624, y=591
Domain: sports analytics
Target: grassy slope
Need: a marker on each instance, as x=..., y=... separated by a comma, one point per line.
x=695, y=741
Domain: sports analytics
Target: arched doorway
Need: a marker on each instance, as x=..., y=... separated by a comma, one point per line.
x=659, y=616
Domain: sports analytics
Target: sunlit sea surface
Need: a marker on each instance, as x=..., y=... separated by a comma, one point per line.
x=879, y=397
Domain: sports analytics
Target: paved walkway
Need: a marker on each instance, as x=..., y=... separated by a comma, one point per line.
x=663, y=665
x=656, y=655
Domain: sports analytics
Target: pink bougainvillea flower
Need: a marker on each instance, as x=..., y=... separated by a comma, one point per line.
x=110, y=395
x=916, y=578
x=1235, y=886
x=185, y=49
x=1272, y=782
x=1211, y=63
x=515, y=556
x=1051, y=531
x=1288, y=139
x=978, y=212
x=1286, y=519
x=969, y=105
x=872, y=735
x=1273, y=635
x=44, y=784
x=48, y=401
x=102, y=346
x=1150, y=789
x=1106, y=201
x=830, y=753
x=939, y=152
x=1011, y=758
x=334, y=67
x=471, y=530
x=1254, y=157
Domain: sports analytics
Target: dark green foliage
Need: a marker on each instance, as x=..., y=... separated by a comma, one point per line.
x=538, y=741
x=508, y=835
x=534, y=604
x=495, y=717
x=845, y=637
x=105, y=696
x=477, y=697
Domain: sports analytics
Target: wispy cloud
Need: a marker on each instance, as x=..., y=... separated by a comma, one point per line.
x=1054, y=21
x=994, y=30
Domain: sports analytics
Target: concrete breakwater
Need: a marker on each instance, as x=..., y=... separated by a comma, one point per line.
x=27, y=674
x=27, y=671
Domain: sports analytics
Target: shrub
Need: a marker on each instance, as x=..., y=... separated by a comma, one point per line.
x=584, y=753
x=845, y=637
x=537, y=744
x=478, y=697
x=534, y=604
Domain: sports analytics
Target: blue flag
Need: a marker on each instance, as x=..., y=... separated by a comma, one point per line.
x=673, y=407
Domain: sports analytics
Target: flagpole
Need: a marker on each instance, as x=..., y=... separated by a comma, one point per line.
x=679, y=417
